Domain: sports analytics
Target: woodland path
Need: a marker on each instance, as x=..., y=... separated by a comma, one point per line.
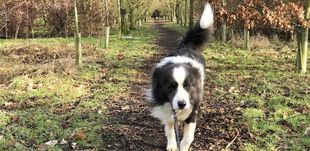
x=129, y=125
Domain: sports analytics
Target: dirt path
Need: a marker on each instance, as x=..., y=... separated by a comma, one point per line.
x=129, y=126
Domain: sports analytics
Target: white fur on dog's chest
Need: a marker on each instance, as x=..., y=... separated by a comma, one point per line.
x=164, y=113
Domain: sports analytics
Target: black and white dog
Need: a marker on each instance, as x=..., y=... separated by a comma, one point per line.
x=177, y=82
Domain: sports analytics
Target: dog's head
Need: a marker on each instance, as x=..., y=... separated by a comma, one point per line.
x=178, y=84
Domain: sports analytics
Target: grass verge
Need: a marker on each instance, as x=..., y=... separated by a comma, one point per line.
x=46, y=102
x=274, y=99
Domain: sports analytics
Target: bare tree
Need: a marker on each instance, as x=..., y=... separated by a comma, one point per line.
x=78, y=48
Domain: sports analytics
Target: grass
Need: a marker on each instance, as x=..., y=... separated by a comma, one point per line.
x=44, y=97
x=176, y=27
x=275, y=100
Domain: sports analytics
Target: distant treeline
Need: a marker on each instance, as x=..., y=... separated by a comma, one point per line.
x=54, y=18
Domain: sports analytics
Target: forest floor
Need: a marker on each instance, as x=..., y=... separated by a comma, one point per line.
x=253, y=100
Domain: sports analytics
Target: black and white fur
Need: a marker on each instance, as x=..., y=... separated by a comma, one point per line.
x=177, y=82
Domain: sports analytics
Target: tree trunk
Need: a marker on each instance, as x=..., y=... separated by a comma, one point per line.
x=17, y=29
x=119, y=19
x=246, y=39
x=124, y=19
x=107, y=33
x=27, y=18
x=177, y=14
x=139, y=23
x=6, y=25
x=224, y=28
x=224, y=33
x=67, y=22
x=185, y=13
x=107, y=27
x=173, y=12
x=181, y=13
x=76, y=17
x=191, y=13
x=131, y=17
x=303, y=43
x=298, y=57
x=78, y=48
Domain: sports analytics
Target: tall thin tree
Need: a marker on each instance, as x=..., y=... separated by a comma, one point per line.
x=119, y=19
x=302, y=39
x=191, y=13
x=107, y=27
x=78, y=48
x=224, y=27
x=185, y=13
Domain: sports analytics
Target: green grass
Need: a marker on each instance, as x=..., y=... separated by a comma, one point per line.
x=176, y=27
x=41, y=100
x=44, y=96
x=275, y=99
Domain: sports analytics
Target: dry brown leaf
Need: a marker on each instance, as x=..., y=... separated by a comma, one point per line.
x=79, y=135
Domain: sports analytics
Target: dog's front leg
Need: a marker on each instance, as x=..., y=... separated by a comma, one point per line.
x=170, y=133
x=188, y=135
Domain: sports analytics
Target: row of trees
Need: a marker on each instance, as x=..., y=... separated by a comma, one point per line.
x=31, y=18
x=283, y=16
x=269, y=17
x=53, y=18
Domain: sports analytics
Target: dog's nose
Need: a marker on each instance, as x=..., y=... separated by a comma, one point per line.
x=181, y=104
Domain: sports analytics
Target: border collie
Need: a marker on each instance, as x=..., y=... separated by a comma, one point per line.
x=177, y=82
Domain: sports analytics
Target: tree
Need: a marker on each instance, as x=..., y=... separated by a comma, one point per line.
x=119, y=17
x=185, y=13
x=107, y=27
x=302, y=39
x=224, y=29
x=191, y=13
x=249, y=16
x=78, y=48
x=124, y=18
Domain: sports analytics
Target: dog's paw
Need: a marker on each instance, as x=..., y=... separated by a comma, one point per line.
x=172, y=149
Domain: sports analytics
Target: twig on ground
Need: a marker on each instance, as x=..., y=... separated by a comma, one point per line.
x=228, y=145
x=221, y=96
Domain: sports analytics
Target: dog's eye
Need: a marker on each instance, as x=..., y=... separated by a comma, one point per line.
x=173, y=85
x=186, y=85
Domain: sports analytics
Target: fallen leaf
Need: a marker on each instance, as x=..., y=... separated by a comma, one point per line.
x=51, y=143
x=285, y=115
x=48, y=144
x=73, y=145
x=222, y=110
x=125, y=107
x=79, y=135
x=10, y=105
x=15, y=118
x=120, y=56
x=63, y=141
x=99, y=112
x=231, y=89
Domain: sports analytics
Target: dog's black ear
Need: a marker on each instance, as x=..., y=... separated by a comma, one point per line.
x=158, y=90
x=156, y=74
x=155, y=79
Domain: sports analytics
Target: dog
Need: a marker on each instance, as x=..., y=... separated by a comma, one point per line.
x=177, y=82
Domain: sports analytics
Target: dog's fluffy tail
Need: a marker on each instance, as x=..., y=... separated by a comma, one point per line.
x=202, y=30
